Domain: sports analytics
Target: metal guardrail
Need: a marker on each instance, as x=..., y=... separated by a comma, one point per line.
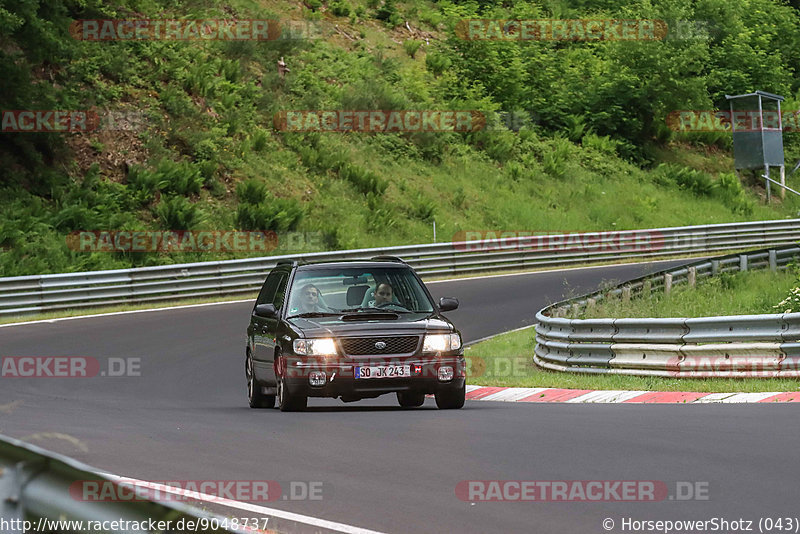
x=759, y=346
x=24, y=295
x=37, y=486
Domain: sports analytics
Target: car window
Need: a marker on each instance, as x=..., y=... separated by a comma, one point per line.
x=268, y=290
x=333, y=285
x=280, y=292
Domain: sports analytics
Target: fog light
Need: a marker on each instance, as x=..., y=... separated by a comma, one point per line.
x=317, y=378
x=445, y=373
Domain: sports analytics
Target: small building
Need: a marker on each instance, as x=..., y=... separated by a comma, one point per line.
x=758, y=134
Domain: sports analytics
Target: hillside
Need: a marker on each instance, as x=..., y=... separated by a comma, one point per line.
x=186, y=135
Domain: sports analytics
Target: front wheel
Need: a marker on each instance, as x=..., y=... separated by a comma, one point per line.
x=407, y=399
x=451, y=399
x=254, y=395
x=288, y=401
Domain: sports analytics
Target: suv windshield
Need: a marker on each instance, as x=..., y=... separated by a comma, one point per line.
x=336, y=290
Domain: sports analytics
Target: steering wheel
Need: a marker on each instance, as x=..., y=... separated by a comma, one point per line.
x=387, y=304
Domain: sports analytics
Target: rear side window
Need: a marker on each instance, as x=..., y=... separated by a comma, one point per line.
x=270, y=288
x=277, y=301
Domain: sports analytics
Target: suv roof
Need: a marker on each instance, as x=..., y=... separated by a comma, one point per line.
x=354, y=263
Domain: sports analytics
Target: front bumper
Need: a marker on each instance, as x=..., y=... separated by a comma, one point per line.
x=341, y=382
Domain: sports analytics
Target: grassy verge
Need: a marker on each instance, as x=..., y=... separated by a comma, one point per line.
x=727, y=294
x=507, y=359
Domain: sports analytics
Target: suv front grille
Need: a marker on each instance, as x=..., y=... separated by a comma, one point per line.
x=362, y=346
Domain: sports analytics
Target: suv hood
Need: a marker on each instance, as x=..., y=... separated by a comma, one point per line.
x=417, y=323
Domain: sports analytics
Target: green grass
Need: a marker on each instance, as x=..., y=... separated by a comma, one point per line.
x=507, y=359
x=751, y=292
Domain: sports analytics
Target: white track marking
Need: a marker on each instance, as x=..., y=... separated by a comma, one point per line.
x=513, y=394
x=749, y=397
x=607, y=396
x=249, y=507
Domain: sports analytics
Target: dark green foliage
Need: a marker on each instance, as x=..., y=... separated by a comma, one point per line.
x=437, y=63
x=365, y=182
x=177, y=213
x=423, y=208
x=252, y=191
x=340, y=8
x=411, y=47
x=697, y=182
x=279, y=214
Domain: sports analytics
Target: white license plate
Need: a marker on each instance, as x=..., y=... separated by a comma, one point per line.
x=383, y=371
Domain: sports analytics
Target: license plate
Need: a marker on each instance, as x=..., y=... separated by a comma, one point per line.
x=383, y=371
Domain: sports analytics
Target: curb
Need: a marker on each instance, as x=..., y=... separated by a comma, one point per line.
x=583, y=396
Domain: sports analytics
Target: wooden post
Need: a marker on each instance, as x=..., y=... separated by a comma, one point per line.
x=692, y=276
x=667, y=283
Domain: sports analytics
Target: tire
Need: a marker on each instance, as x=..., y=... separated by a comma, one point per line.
x=254, y=395
x=288, y=401
x=408, y=399
x=451, y=399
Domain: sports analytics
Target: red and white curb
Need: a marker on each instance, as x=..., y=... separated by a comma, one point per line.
x=506, y=394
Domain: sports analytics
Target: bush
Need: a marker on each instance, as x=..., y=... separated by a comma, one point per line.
x=423, y=208
x=365, y=181
x=380, y=216
x=698, y=182
x=411, y=47
x=177, y=213
x=339, y=8
x=729, y=189
x=388, y=13
x=278, y=214
x=437, y=63
x=555, y=160
x=251, y=191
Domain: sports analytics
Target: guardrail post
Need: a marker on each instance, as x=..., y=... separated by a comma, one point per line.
x=773, y=260
x=626, y=293
x=743, y=262
x=667, y=283
x=714, y=267
x=10, y=507
x=692, y=276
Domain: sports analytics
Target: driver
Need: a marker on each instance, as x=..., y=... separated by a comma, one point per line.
x=383, y=295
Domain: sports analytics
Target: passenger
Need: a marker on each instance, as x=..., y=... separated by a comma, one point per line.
x=309, y=299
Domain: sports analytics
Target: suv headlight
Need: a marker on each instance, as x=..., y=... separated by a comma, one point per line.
x=441, y=342
x=314, y=347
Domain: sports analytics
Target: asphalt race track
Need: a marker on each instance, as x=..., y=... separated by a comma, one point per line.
x=383, y=468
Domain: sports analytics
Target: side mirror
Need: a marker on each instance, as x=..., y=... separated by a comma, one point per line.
x=266, y=310
x=448, y=303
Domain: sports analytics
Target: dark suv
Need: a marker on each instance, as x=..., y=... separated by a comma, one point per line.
x=354, y=330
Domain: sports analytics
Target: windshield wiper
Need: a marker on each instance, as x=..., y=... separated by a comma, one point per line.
x=313, y=314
